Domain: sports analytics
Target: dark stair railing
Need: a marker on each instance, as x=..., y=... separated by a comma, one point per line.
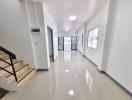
x=11, y=57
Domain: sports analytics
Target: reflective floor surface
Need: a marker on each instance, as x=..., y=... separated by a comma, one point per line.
x=71, y=77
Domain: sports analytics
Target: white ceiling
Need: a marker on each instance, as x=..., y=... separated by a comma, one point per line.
x=62, y=9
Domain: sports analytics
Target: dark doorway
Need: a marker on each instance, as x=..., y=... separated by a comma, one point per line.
x=73, y=43
x=51, y=45
x=60, y=43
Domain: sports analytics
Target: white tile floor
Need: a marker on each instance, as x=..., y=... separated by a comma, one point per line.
x=71, y=77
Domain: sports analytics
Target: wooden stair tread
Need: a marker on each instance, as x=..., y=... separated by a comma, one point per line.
x=1, y=52
x=23, y=82
x=25, y=74
x=3, y=55
x=17, y=67
x=5, y=65
x=4, y=58
x=19, y=73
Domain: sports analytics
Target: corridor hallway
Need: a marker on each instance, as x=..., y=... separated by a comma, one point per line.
x=71, y=77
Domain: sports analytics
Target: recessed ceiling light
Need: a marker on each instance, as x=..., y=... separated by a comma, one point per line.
x=72, y=18
x=71, y=92
x=66, y=29
x=67, y=70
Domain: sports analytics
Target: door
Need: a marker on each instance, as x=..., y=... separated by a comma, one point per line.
x=73, y=43
x=60, y=43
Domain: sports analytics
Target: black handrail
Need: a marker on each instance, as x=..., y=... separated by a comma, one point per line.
x=11, y=57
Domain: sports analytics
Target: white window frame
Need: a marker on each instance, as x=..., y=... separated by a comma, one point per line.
x=92, y=40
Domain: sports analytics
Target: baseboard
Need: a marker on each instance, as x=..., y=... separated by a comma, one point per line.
x=90, y=60
x=80, y=52
x=55, y=58
x=42, y=70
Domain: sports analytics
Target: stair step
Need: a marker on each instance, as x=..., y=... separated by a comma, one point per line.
x=19, y=73
x=1, y=52
x=26, y=78
x=5, y=65
x=4, y=57
x=25, y=74
x=17, y=67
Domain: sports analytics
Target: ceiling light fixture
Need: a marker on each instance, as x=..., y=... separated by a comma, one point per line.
x=66, y=29
x=72, y=18
x=71, y=92
x=67, y=70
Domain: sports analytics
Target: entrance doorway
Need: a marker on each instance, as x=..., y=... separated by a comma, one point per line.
x=67, y=43
x=50, y=40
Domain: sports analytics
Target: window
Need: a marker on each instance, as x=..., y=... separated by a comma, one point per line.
x=93, y=38
x=90, y=39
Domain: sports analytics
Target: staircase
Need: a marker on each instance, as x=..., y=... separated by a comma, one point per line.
x=14, y=80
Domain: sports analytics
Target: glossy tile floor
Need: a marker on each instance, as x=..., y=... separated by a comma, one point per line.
x=71, y=77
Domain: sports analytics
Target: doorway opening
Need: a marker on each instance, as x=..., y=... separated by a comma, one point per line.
x=67, y=43
x=51, y=46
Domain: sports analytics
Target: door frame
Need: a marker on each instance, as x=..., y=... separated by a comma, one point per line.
x=49, y=28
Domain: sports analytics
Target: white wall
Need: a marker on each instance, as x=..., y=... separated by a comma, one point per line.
x=79, y=37
x=114, y=51
x=49, y=21
x=100, y=21
x=67, y=34
x=118, y=48
x=14, y=29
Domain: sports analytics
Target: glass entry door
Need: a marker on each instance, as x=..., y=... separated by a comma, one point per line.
x=61, y=43
x=74, y=43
